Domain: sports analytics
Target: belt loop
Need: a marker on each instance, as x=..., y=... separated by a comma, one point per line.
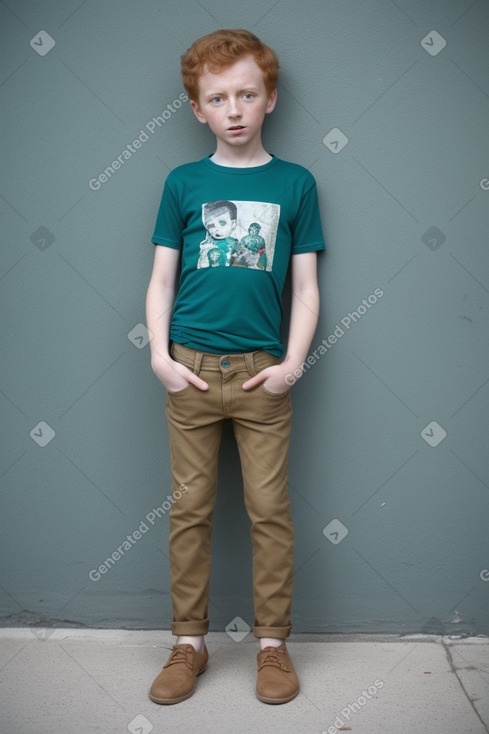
x=198, y=362
x=249, y=362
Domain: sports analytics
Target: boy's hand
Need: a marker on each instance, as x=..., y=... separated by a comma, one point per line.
x=175, y=376
x=273, y=379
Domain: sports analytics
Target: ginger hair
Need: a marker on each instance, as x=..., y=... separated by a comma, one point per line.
x=222, y=48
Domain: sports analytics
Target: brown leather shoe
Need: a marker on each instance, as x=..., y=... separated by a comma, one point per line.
x=277, y=680
x=176, y=682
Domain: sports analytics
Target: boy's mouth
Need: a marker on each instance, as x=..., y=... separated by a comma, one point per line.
x=236, y=127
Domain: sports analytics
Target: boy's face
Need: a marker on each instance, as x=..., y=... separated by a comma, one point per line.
x=234, y=102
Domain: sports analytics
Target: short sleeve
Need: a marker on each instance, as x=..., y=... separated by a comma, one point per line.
x=307, y=233
x=169, y=222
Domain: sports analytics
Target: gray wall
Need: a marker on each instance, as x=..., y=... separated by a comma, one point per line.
x=389, y=479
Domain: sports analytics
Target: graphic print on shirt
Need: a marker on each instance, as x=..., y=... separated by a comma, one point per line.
x=239, y=234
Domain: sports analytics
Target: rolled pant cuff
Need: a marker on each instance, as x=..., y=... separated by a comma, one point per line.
x=199, y=627
x=279, y=632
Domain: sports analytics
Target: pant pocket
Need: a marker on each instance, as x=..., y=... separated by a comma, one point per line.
x=275, y=394
x=177, y=393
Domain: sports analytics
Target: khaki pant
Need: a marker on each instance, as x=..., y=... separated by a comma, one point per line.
x=261, y=422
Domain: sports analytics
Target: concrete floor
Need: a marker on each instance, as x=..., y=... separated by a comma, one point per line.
x=64, y=681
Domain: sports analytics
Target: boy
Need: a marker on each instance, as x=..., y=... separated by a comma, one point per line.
x=226, y=359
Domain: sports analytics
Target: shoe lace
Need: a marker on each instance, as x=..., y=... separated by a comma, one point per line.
x=180, y=656
x=272, y=658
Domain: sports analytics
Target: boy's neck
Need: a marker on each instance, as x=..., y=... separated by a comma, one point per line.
x=240, y=157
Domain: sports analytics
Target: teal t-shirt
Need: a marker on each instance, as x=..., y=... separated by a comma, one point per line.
x=236, y=229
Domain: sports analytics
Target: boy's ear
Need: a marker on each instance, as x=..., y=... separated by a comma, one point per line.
x=272, y=101
x=198, y=114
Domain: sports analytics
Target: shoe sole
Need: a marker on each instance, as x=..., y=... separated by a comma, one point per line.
x=277, y=700
x=169, y=701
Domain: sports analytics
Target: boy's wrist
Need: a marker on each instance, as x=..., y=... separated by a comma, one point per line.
x=159, y=352
x=293, y=361
x=294, y=366
x=161, y=359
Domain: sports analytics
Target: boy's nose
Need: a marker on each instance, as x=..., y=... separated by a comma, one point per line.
x=233, y=109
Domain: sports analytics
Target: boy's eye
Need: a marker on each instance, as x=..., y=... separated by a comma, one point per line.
x=249, y=95
x=216, y=99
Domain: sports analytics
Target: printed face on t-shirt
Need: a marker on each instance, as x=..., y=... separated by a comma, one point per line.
x=220, y=225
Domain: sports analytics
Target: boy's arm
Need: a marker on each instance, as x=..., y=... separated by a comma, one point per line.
x=303, y=320
x=159, y=306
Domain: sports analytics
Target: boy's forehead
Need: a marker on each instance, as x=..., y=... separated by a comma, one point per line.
x=243, y=72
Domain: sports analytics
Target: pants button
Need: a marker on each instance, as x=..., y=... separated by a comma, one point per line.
x=225, y=363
